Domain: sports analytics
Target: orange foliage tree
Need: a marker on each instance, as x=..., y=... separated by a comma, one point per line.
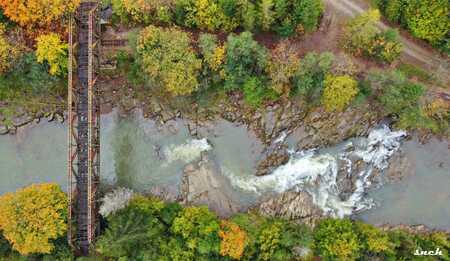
x=36, y=12
x=233, y=240
x=31, y=218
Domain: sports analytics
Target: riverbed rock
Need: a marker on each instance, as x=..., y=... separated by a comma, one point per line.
x=3, y=129
x=203, y=185
x=272, y=161
x=322, y=128
x=294, y=206
x=399, y=167
x=21, y=120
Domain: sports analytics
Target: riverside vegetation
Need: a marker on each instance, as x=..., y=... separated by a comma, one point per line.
x=145, y=228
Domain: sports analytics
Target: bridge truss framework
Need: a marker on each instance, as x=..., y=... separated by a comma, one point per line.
x=84, y=126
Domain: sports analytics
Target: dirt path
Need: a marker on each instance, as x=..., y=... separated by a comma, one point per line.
x=412, y=52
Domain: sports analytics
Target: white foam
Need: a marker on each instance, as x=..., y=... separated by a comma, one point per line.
x=317, y=173
x=186, y=152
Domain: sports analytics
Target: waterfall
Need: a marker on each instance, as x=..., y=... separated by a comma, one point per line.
x=317, y=172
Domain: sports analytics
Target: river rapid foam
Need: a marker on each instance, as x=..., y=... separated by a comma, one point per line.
x=316, y=172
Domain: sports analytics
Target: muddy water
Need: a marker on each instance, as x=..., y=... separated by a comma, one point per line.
x=423, y=197
x=141, y=154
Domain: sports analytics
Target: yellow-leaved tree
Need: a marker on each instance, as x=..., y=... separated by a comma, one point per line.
x=8, y=52
x=339, y=92
x=36, y=12
x=32, y=217
x=50, y=49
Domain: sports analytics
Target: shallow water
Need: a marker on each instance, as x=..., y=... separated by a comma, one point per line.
x=423, y=197
x=137, y=153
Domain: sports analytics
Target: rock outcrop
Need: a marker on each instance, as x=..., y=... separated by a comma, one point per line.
x=294, y=206
x=201, y=185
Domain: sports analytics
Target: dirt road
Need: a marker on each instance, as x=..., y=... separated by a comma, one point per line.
x=427, y=57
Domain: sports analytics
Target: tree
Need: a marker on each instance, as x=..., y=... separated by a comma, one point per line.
x=375, y=242
x=339, y=92
x=199, y=228
x=282, y=67
x=32, y=217
x=335, y=239
x=233, y=240
x=9, y=53
x=37, y=12
x=311, y=73
x=166, y=56
x=50, y=49
x=398, y=94
x=363, y=38
x=428, y=19
x=244, y=58
x=143, y=11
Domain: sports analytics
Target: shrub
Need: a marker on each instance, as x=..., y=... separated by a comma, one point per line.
x=244, y=58
x=37, y=12
x=281, y=68
x=166, y=56
x=311, y=73
x=50, y=49
x=32, y=217
x=363, y=38
x=335, y=239
x=339, y=92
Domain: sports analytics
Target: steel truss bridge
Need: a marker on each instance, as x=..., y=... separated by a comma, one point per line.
x=84, y=125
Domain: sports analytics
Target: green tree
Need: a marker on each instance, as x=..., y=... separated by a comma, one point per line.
x=31, y=218
x=428, y=19
x=166, y=56
x=244, y=58
x=339, y=92
x=311, y=73
x=199, y=228
x=335, y=239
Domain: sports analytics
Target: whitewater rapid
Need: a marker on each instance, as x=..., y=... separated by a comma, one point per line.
x=317, y=172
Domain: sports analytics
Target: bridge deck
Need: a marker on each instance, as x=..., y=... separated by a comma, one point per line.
x=83, y=130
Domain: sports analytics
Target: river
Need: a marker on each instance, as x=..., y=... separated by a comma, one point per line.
x=140, y=154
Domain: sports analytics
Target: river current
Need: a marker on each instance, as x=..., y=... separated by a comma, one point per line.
x=140, y=154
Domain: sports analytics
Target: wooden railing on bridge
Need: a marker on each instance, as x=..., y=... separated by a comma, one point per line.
x=84, y=126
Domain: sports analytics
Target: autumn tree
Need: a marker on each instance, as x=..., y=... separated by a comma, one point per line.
x=233, y=240
x=31, y=218
x=362, y=37
x=428, y=19
x=51, y=50
x=282, y=66
x=36, y=12
x=167, y=57
x=5, y=60
x=339, y=92
x=143, y=11
x=199, y=228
